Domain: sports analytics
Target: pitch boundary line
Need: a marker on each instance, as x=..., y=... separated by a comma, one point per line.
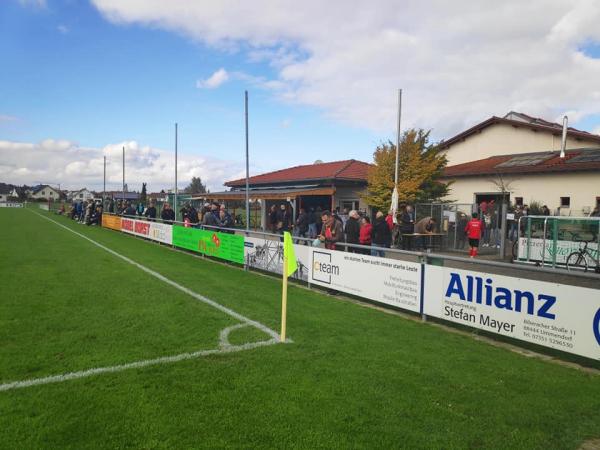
x=224, y=347
x=170, y=282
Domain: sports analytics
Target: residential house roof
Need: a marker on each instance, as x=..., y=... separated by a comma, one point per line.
x=582, y=159
x=518, y=119
x=350, y=169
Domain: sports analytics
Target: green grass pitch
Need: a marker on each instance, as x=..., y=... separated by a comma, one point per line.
x=353, y=377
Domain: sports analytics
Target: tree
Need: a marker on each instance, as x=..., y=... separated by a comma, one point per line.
x=195, y=187
x=143, y=193
x=420, y=166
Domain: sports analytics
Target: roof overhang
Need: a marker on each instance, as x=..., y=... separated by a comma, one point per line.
x=265, y=194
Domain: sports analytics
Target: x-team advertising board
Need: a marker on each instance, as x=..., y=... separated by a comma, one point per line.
x=395, y=283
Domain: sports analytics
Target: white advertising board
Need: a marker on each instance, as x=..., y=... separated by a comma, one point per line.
x=267, y=254
x=563, y=249
x=389, y=281
x=553, y=315
x=152, y=230
x=10, y=205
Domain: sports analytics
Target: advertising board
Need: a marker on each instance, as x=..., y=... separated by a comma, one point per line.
x=389, y=281
x=211, y=243
x=554, y=315
x=267, y=254
x=112, y=222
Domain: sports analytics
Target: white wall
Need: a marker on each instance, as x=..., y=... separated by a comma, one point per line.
x=350, y=194
x=503, y=139
x=582, y=187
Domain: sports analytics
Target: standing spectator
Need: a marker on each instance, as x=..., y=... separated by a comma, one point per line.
x=483, y=206
x=167, y=214
x=344, y=216
x=407, y=227
x=301, y=227
x=225, y=219
x=140, y=209
x=381, y=236
x=150, y=212
x=318, y=219
x=545, y=210
x=111, y=206
x=284, y=219
x=352, y=230
x=273, y=219
x=129, y=210
x=211, y=218
x=312, y=224
x=487, y=228
x=515, y=223
x=96, y=217
x=366, y=230
x=332, y=232
x=193, y=215
x=473, y=230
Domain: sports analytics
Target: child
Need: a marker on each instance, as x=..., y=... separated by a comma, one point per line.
x=473, y=230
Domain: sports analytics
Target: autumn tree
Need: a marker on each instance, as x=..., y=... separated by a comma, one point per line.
x=195, y=187
x=421, y=163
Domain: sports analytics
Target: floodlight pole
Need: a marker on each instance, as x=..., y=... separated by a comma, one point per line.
x=123, y=204
x=175, y=202
x=398, y=136
x=247, y=166
x=104, y=184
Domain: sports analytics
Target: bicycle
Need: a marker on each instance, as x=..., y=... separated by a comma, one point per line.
x=582, y=259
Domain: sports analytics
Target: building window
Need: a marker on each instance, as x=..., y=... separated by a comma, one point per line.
x=51, y=193
x=43, y=192
x=565, y=202
x=519, y=201
x=80, y=195
x=349, y=205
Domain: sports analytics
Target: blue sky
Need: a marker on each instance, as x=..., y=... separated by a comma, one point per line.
x=96, y=83
x=79, y=75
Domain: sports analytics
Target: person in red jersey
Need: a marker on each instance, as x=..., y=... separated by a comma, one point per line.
x=473, y=230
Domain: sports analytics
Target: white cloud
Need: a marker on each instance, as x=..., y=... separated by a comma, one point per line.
x=63, y=29
x=458, y=62
x=214, y=81
x=74, y=166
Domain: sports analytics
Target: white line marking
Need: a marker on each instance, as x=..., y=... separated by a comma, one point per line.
x=138, y=364
x=164, y=279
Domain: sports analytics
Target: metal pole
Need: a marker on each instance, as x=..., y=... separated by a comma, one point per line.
x=247, y=167
x=175, y=202
x=104, y=185
x=503, y=225
x=563, y=141
x=398, y=135
x=123, y=204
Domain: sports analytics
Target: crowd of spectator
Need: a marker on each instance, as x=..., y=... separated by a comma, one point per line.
x=84, y=212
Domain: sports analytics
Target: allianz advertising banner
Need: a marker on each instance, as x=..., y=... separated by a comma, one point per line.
x=563, y=317
x=212, y=243
x=396, y=283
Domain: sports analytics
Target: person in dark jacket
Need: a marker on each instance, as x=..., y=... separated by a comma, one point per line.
x=407, y=227
x=301, y=226
x=353, y=230
x=381, y=235
x=211, y=218
x=273, y=219
x=150, y=212
x=225, y=219
x=129, y=210
x=284, y=219
x=167, y=214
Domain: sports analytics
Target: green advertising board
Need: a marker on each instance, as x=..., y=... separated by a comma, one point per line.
x=211, y=243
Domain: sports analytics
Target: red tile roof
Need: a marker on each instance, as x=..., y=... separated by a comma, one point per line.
x=549, y=162
x=528, y=121
x=337, y=170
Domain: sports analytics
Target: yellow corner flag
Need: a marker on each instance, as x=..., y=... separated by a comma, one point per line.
x=289, y=267
x=288, y=255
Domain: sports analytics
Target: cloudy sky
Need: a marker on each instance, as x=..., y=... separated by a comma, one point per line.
x=80, y=80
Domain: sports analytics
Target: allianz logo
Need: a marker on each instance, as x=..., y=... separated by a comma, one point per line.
x=475, y=289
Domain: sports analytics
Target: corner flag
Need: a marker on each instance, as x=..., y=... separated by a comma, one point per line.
x=289, y=267
x=288, y=255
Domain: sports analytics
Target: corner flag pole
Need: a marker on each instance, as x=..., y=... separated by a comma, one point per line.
x=290, y=265
x=284, y=299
